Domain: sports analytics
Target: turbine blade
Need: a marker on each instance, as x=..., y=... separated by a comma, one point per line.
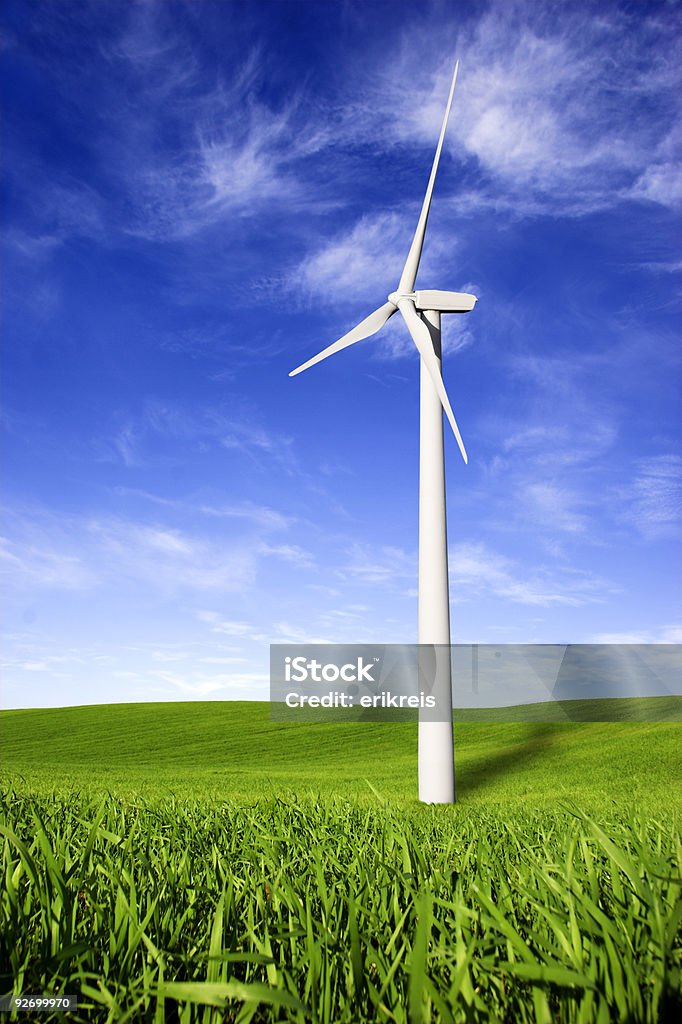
x=370, y=325
x=421, y=336
x=409, y=274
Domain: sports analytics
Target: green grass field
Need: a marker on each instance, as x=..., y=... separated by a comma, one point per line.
x=232, y=751
x=197, y=862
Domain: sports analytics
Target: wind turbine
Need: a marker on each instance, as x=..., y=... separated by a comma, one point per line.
x=421, y=311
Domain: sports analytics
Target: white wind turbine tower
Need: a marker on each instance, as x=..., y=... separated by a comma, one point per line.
x=421, y=311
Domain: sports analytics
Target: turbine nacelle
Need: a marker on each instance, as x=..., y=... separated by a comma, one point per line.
x=440, y=301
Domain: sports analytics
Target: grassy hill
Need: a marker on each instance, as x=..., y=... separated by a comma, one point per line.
x=246, y=870
x=231, y=750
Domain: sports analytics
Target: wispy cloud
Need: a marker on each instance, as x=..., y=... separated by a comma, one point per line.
x=237, y=170
x=653, y=501
x=181, y=151
x=35, y=248
x=543, y=120
x=152, y=435
x=285, y=633
x=554, y=446
x=79, y=552
x=261, y=516
x=551, y=121
x=475, y=568
x=124, y=443
x=548, y=503
x=359, y=265
x=236, y=154
x=237, y=629
x=37, y=562
x=256, y=443
x=546, y=481
x=665, y=635
x=169, y=559
x=379, y=564
x=287, y=553
x=230, y=627
x=660, y=183
x=198, y=685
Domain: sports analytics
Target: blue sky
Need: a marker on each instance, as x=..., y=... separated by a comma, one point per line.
x=197, y=196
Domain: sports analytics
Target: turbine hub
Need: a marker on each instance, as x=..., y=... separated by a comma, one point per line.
x=395, y=297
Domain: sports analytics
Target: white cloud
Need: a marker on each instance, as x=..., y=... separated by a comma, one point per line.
x=168, y=542
x=32, y=247
x=169, y=656
x=288, y=553
x=660, y=183
x=37, y=562
x=379, y=564
x=664, y=266
x=195, y=684
x=359, y=265
x=553, y=121
x=555, y=506
x=233, y=154
x=557, y=445
x=230, y=627
x=653, y=502
x=256, y=442
x=59, y=210
x=664, y=635
x=550, y=119
x=198, y=685
x=72, y=208
x=76, y=553
x=525, y=98
x=147, y=434
x=125, y=444
x=168, y=560
x=474, y=568
x=258, y=515
x=288, y=634
x=239, y=171
x=477, y=569
x=210, y=660
x=261, y=516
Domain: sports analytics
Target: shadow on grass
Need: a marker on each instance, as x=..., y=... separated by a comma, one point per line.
x=482, y=772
